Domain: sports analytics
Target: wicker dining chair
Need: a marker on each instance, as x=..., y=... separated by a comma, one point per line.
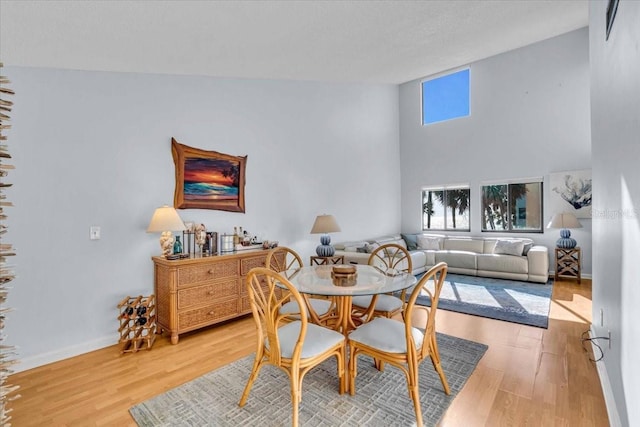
x=294, y=346
x=389, y=258
x=283, y=259
x=402, y=344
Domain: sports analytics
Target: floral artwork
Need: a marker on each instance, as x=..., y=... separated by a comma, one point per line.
x=208, y=179
x=571, y=192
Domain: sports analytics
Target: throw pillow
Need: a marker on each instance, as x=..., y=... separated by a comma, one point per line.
x=411, y=241
x=362, y=250
x=429, y=243
x=527, y=246
x=509, y=247
x=370, y=247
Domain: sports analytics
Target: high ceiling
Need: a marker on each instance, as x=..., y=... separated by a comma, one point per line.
x=339, y=41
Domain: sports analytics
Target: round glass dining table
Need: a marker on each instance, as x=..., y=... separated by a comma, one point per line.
x=369, y=280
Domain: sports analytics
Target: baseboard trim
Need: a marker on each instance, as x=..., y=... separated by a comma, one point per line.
x=63, y=353
x=609, y=400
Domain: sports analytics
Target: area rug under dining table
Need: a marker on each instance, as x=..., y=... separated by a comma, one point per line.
x=381, y=398
x=526, y=303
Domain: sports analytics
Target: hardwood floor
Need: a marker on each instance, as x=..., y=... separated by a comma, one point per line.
x=529, y=376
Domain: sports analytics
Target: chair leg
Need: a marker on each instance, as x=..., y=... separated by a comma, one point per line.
x=379, y=364
x=415, y=396
x=435, y=359
x=342, y=376
x=353, y=368
x=257, y=365
x=414, y=392
x=295, y=396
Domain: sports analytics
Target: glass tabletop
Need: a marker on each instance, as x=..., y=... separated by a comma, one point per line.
x=369, y=280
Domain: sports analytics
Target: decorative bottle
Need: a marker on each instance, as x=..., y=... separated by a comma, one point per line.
x=177, y=246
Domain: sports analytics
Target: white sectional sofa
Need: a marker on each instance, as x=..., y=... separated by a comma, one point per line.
x=500, y=257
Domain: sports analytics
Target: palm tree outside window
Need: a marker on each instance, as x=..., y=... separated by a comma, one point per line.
x=446, y=209
x=512, y=207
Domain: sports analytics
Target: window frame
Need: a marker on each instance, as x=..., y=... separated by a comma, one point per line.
x=441, y=76
x=508, y=183
x=445, y=189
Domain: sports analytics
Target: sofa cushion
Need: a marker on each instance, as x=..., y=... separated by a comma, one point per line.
x=503, y=263
x=386, y=239
x=489, y=245
x=457, y=259
x=370, y=247
x=411, y=241
x=342, y=246
x=509, y=247
x=527, y=248
x=433, y=243
x=418, y=259
x=465, y=245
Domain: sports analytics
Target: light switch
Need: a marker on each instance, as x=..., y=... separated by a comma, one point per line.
x=94, y=232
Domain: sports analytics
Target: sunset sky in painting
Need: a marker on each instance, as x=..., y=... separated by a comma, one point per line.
x=207, y=171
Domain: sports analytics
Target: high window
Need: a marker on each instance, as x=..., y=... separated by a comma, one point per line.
x=446, y=208
x=445, y=97
x=512, y=206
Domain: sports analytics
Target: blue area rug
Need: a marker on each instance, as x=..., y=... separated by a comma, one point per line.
x=526, y=303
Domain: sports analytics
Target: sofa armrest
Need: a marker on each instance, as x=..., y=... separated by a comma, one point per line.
x=538, y=259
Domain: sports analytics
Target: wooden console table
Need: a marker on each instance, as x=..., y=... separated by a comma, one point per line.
x=197, y=292
x=568, y=263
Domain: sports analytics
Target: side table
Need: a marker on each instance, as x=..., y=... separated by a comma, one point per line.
x=568, y=263
x=326, y=260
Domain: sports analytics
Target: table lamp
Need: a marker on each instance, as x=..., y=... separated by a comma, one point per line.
x=565, y=221
x=165, y=220
x=324, y=225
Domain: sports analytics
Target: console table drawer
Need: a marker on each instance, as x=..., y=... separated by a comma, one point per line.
x=206, y=294
x=208, y=315
x=246, y=264
x=202, y=273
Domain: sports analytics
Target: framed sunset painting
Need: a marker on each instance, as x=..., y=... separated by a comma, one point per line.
x=208, y=179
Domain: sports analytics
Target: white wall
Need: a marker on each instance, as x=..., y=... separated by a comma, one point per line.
x=529, y=117
x=94, y=149
x=615, y=126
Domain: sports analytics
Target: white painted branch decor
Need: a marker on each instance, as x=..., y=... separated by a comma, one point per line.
x=7, y=353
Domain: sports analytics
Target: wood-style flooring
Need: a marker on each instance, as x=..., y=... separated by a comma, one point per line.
x=528, y=377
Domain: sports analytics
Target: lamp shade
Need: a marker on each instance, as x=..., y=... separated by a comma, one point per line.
x=325, y=224
x=564, y=220
x=165, y=218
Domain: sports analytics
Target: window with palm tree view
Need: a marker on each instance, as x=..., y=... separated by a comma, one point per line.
x=445, y=209
x=514, y=207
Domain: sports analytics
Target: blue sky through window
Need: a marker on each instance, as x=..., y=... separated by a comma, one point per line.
x=445, y=97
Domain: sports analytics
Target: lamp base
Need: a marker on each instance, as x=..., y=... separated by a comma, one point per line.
x=166, y=243
x=325, y=249
x=565, y=241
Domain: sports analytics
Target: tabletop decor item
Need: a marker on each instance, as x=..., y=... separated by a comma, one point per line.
x=208, y=179
x=344, y=275
x=201, y=237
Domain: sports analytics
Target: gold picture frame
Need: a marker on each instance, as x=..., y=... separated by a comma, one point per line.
x=208, y=179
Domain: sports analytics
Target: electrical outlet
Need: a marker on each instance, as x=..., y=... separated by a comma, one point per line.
x=94, y=232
